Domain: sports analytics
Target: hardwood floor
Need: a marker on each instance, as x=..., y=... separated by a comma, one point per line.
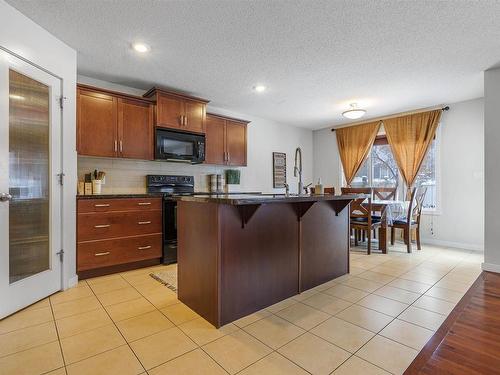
x=468, y=342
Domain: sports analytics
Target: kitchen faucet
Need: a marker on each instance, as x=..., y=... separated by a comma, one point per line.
x=297, y=169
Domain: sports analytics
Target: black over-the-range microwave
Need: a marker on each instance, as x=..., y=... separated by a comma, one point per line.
x=179, y=146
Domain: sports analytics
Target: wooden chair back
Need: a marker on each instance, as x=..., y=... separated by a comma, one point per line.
x=360, y=210
x=327, y=190
x=349, y=190
x=385, y=193
x=416, y=204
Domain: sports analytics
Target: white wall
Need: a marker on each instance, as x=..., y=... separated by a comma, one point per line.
x=460, y=222
x=492, y=167
x=264, y=137
x=21, y=36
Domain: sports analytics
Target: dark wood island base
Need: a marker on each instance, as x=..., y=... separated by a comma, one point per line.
x=240, y=254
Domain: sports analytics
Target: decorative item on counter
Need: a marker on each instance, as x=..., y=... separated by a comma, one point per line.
x=88, y=184
x=81, y=188
x=279, y=170
x=213, y=183
x=232, y=179
x=318, y=189
x=221, y=182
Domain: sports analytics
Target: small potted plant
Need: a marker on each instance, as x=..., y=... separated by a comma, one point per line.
x=232, y=180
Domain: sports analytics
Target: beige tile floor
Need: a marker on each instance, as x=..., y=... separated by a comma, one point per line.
x=373, y=321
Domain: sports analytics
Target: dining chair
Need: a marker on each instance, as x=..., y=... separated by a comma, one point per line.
x=412, y=220
x=350, y=190
x=327, y=190
x=361, y=219
x=385, y=193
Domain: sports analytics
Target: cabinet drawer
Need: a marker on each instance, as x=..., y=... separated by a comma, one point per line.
x=99, y=226
x=105, y=253
x=118, y=204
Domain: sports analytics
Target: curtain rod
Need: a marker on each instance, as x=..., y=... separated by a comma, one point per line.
x=445, y=108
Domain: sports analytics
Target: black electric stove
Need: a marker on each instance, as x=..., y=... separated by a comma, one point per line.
x=170, y=186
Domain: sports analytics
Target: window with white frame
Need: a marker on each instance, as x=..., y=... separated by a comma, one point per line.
x=380, y=170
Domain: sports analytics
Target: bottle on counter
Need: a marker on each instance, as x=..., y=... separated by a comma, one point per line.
x=318, y=189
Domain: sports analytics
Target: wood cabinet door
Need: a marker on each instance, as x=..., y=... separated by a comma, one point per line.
x=96, y=124
x=195, y=116
x=135, y=129
x=236, y=143
x=215, y=140
x=169, y=111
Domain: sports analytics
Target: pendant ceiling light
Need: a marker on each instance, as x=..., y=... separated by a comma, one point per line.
x=354, y=112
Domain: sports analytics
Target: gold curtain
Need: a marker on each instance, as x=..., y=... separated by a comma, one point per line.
x=354, y=144
x=409, y=138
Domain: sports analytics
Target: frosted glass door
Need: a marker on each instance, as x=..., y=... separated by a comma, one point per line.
x=30, y=160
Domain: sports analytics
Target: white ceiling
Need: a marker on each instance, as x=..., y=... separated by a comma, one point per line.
x=315, y=56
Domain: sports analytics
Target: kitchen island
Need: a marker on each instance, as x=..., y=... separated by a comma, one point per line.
x=238, y=254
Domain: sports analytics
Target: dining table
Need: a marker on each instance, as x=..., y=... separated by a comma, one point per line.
x=390, y=210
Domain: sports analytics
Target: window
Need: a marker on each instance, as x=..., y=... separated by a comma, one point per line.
x=380, y=170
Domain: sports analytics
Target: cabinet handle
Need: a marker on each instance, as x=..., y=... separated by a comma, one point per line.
x=144, y=203
x=102, y=226
x=121, y=146
x=182, y=120
x=102, y=254
x=116, y=146
x=185, y=121
x=143, y=222
x=102, y=205
x=144, y=247
x=228, y=157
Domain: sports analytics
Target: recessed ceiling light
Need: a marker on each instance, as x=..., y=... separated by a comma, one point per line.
x=354, y=113
x=259, y=88
x=141, y=47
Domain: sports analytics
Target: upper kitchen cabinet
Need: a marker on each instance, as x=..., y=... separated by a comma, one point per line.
x=178, y=111
x=111, y=124
x=226, y=141
x=96, y=123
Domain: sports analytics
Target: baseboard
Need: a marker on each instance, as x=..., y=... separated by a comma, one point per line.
x=490, y=267
x=457, y=245
x=73, y=281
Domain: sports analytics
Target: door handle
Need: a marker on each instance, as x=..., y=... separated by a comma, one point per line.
x=102, y=254
x=144, y=247
x=5, y=197
x=102, y=226
x=143, y=222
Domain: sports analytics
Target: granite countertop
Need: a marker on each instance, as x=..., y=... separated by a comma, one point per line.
x=247, y=199
x=152, y=195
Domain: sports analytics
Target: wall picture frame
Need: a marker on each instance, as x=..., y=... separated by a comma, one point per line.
x=279, y=170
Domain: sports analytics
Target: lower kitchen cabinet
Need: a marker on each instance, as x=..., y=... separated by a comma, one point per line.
x=117, y=234
x=226, y=141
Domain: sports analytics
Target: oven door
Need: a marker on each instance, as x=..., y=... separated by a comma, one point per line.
x=180, y=147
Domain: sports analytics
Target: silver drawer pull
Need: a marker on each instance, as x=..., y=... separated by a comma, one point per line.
x=102, y=254
x=102, y=226
x=144, y=247
x=144, y=203
x=102, y=205
x=143, y=222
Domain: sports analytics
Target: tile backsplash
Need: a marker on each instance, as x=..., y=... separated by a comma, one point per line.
x=124, y=176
